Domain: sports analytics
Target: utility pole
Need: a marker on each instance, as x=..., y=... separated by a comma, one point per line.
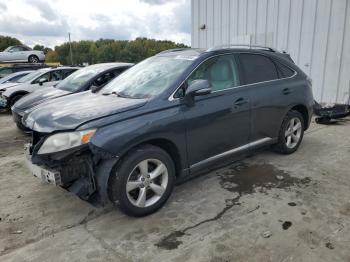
x=70, y=49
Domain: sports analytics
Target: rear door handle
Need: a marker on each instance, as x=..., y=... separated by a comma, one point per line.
x=286, y=91
x=240, y=101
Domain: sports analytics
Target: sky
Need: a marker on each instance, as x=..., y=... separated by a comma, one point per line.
x=47, y=22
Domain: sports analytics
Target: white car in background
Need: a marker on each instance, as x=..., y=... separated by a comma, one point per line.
x=21, y=53
x=14, y=77
x=11, y=92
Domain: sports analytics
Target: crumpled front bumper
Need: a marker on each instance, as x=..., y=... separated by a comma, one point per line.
x=82, y=171
x=3, y=102
x=44, y=174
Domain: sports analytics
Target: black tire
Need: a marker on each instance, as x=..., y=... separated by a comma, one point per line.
x=14, y=99
x=120, y=175
x=281, y=146
x=33, y=59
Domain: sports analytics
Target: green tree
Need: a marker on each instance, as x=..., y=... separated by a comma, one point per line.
x=6, y=41
x=108, y=50
x=51, y=56
x=42, y=48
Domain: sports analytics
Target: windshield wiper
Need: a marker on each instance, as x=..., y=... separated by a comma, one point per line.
x=117, y=94
x=112, y=93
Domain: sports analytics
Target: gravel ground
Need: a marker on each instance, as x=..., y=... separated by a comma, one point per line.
x=266, y=207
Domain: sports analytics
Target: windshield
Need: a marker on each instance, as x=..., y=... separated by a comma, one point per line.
x=7, y=49
x=79, y=78
x=30, y=77
x=148, y=78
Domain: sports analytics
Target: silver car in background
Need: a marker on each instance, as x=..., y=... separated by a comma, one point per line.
x=21, y=53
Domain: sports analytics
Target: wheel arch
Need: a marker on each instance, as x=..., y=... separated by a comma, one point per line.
x=106, y=167
x=304, y=112
x=17, y=93
x=167, y=145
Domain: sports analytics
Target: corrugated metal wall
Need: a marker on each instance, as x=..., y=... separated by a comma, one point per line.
x=315, y=32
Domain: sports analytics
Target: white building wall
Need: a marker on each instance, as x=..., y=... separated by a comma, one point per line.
x=316, y=33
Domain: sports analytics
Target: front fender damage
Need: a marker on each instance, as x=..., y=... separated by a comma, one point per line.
x=84, y=171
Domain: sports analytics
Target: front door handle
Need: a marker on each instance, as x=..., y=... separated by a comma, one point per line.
x=286, y=91
x=240, y=101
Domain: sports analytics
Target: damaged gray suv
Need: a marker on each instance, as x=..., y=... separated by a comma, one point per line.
x=166, y=119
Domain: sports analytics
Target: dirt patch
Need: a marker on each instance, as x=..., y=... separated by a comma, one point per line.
x=242, y=179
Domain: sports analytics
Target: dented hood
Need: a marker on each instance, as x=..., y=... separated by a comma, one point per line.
x=39, y=97
x=69, y=112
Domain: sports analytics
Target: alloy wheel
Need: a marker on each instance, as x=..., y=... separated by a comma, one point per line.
x=293, y=132
x=147, y=183
x=33, y=59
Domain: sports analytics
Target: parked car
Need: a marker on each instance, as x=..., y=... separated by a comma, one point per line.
x=21, y=53
x=12, y=78
x=94, y=76
x=12, y=92
x=7, y=70
x=168, y=118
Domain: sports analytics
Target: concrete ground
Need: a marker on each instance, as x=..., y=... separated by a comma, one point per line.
x=267, y=207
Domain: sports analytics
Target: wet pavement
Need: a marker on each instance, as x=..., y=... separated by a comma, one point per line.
x=267, y=207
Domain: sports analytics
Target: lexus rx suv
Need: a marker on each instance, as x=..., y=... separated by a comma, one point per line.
x=166, y=119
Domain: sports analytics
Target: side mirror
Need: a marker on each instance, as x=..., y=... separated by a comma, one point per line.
x=94, y=89
x=42, y=81
x=198, y=87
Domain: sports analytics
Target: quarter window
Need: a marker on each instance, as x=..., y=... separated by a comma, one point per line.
x=257, y=68
x=284, y=70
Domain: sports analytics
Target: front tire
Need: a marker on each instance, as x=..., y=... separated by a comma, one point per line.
x=14, y=100
x=143, y=181
x=291, y=133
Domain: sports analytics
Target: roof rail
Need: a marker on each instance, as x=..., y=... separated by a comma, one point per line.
x=241, y=46
x=172, y=50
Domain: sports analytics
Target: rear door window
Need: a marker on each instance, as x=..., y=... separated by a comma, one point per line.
x=67, y=73
x=57, y=75
x=257, y=68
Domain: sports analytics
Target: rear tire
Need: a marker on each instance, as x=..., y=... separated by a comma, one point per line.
x=143, y=181
x=33, y=59
x=291, y=133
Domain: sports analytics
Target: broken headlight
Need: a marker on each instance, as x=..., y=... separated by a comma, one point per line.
x=63, y=141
